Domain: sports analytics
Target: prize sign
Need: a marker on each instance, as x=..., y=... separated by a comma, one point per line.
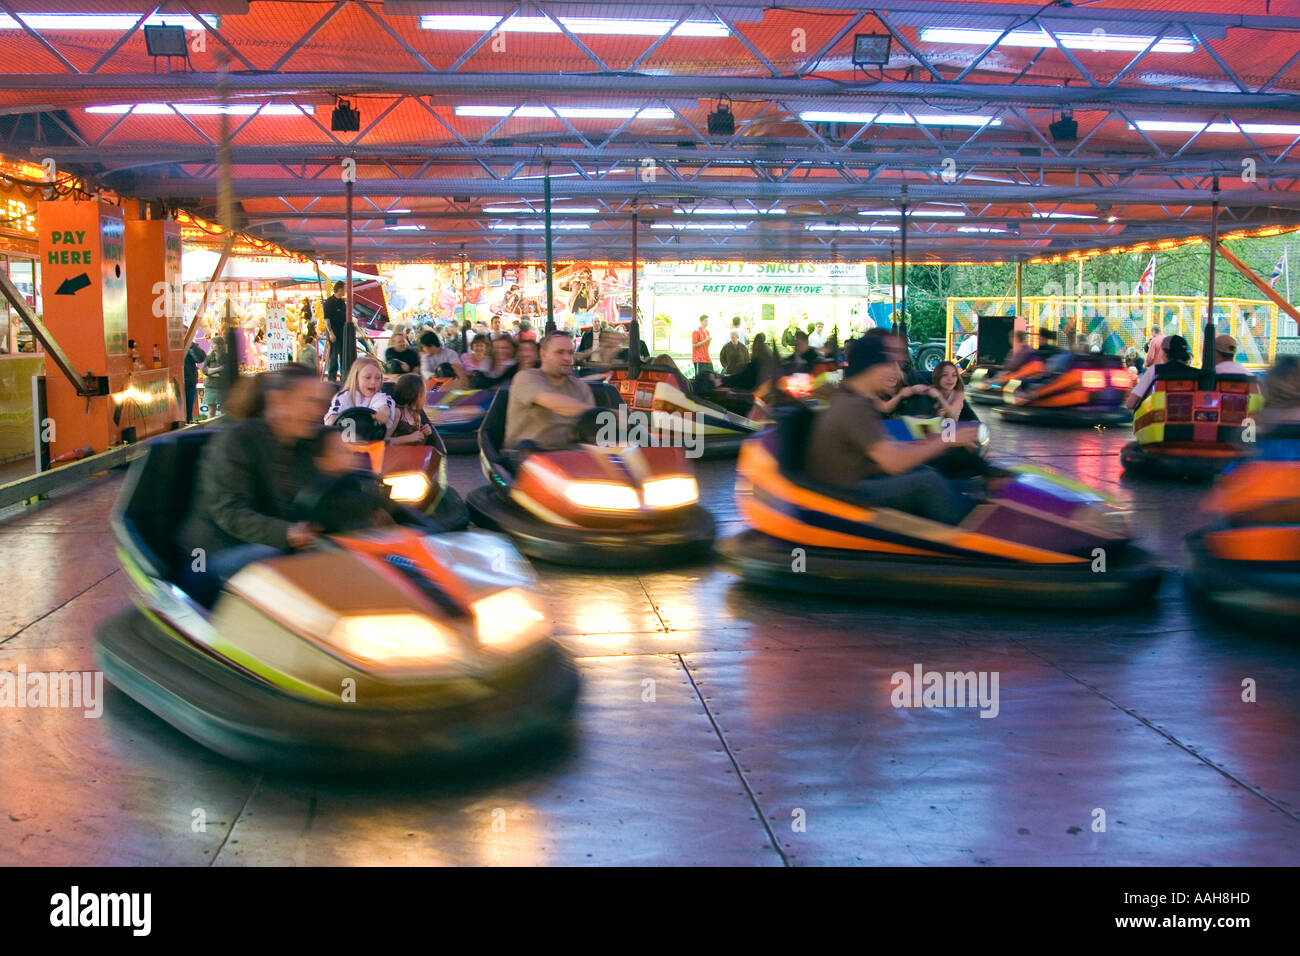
x=278, y=341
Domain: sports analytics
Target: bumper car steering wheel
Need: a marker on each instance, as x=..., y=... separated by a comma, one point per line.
x=339, y=503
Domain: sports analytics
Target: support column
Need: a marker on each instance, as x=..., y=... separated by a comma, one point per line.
x=903, y=331
x=550, y=261
x=350, y=329
x=1207, y=335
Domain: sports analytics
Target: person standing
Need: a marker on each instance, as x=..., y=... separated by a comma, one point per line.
x=193, y=359
x=214, y=375
x=700, y=340
x=736, y=327
x=817, y=338
x=336, y=320
x=788, y=336
x=1155, y=350
x=734, y=355
x=307, y=351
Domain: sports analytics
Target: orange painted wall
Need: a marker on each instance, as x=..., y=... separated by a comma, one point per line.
x=87, y=318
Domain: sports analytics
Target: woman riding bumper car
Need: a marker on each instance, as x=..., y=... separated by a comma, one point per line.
x=340, y=645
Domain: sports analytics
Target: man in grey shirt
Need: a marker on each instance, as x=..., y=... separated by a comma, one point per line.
x=850, y=450
x=546, y=402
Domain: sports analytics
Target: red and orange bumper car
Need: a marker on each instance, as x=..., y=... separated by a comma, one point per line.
x=592, y=506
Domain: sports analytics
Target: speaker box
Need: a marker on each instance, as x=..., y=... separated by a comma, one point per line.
x=993, y=338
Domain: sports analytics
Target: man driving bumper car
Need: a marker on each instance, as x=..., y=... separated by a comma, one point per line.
x=836, y=506
x=851, y=450
x=568, y=492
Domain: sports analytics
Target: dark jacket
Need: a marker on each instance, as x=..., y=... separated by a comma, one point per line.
x=246, y=485
x=733, y=357
x=194, y=357
x=408, y=356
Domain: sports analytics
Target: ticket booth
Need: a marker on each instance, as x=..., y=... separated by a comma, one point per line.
x=84, y=294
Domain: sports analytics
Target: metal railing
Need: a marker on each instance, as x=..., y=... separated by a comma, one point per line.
x=1119, y=323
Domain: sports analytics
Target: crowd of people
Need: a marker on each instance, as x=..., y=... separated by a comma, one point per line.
x=285, y=428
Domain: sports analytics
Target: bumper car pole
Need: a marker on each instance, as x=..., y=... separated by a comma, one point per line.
x=634, y=328
x=1207, y=334
x=550, y=251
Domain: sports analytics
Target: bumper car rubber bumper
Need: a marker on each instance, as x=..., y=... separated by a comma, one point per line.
x=1139, y=461
x=1075, y=416
x=460, y=441
x=723, y=446
x=763, y=560
x=451, y=513
x=685, y=539
x=251, y=721
x=1255, y=595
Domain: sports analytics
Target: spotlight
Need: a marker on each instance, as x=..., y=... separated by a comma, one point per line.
x=1064, y=130
x=165, y=41
x=345, y=119
x=722, y=122
x=870, y=49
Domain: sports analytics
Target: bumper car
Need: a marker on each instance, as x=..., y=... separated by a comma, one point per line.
x=660, y=390
x=387, y=649
x=1192, y=425
x=416, y=475
x=1245, y=563
x=987, y=382
x=721, y=417
x=1070, y=388
x=457, y=414
x=592, y=506
x=1033, y=537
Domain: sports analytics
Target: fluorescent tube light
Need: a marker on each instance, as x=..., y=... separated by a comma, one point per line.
x=120, y=22
x=568, y=112
x=842, y=227
x=1101, y=42
x=702, y=226
x=555, y=211
x=204, y=109
x=535, y=226
x=916, y=213
x=900, y=119
x=1179, y=126
x=602, y=26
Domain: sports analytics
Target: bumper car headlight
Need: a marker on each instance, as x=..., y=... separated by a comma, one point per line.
x=602, y=496
x=408, y=486
x=396, y=640
x=671, y=492
x=509, y=620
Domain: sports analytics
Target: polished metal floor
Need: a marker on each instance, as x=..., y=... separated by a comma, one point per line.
x=770, y=738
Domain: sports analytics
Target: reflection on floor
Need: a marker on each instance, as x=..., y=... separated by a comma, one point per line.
x=717, y=725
